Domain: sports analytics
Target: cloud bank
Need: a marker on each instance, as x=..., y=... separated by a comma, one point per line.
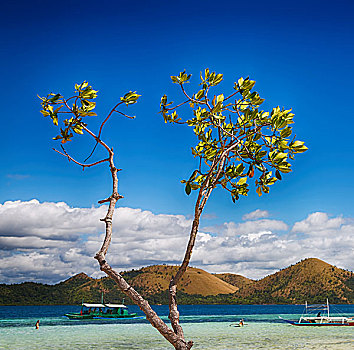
x=48, y=242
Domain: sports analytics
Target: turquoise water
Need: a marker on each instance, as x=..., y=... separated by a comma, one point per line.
x=209, y=326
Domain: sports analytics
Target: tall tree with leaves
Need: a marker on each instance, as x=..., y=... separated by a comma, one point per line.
x=235, y=141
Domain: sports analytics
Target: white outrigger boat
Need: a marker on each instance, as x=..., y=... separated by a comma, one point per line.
x=320, y=320
x=102, y=311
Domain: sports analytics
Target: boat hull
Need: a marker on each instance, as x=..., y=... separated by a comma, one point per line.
x=115, y=316
x=78, y=316
x=322, y=319
x=310, y=324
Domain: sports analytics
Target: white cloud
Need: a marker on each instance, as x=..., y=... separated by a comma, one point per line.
x=17, y=176
x=55, y=241
x=233, y=229
x=318, y=222
x=254, y=237
x=256, y=214
x=47, y=220
x=257, y=248
x=48, y=242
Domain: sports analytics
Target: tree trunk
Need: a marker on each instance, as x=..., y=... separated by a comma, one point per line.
x=175, y=336
x=175, y=339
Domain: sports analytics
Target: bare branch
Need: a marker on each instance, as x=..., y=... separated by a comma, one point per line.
x=65, y=154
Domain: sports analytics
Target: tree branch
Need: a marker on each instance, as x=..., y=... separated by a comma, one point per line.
x=65, y=154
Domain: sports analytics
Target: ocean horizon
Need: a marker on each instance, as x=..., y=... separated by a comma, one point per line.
x=209, y=326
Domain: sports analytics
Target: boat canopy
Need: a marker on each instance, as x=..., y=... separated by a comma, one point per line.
x=93, y=305
x=116, y=305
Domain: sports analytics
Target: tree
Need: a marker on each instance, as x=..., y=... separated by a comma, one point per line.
x=236, y=140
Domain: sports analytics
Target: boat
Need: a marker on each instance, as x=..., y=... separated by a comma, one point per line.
x=102, y=310
x=322, y=317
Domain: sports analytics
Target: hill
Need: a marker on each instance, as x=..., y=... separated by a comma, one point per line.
x=312, y=279
x=309, y=280
x=236, y=280
x=156, y=278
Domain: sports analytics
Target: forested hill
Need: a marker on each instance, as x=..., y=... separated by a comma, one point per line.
x=310, y=280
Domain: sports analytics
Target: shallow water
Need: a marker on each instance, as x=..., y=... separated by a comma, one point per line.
x=209, y=326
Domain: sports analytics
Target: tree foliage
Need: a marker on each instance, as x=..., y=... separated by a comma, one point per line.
x=80, y=107
x=236, y=138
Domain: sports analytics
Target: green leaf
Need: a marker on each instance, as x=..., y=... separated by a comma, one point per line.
x=55, y=119
x=199, y=94
x=206, y=73
x=55, y=98
x=235, y=195
x=280, y=157
x=88, y=105
x=278, y=175
x=45, y=113
x=239, y=169
x=285, y=132
x=217, y=79
x=297, y=144
x=300, y=149
x=242, y=181
x=265, y=189
x=220, y=98
x=284, y=169
x=188, y=188
x=271, y=181
x=174, y=79
x=81, y=86
x=89, y=94
x=78, y=129
x=130, y=98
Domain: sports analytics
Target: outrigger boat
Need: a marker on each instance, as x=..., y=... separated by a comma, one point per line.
x=319, y=319
x=101, y=311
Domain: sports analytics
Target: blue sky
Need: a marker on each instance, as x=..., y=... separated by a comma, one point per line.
x=300, y=53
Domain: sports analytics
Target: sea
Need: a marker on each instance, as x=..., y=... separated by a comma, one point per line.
x=209, y=326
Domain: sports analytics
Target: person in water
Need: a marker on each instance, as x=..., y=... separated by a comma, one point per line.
x=37, y=324
x=241, y=322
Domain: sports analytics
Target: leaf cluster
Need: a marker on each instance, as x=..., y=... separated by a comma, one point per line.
x=237, y=140
x=79, y=106
x=82, y=106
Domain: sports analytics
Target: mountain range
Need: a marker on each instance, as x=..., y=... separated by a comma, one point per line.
x=311, y=280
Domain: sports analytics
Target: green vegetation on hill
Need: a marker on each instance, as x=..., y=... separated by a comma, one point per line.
x=310, y=280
